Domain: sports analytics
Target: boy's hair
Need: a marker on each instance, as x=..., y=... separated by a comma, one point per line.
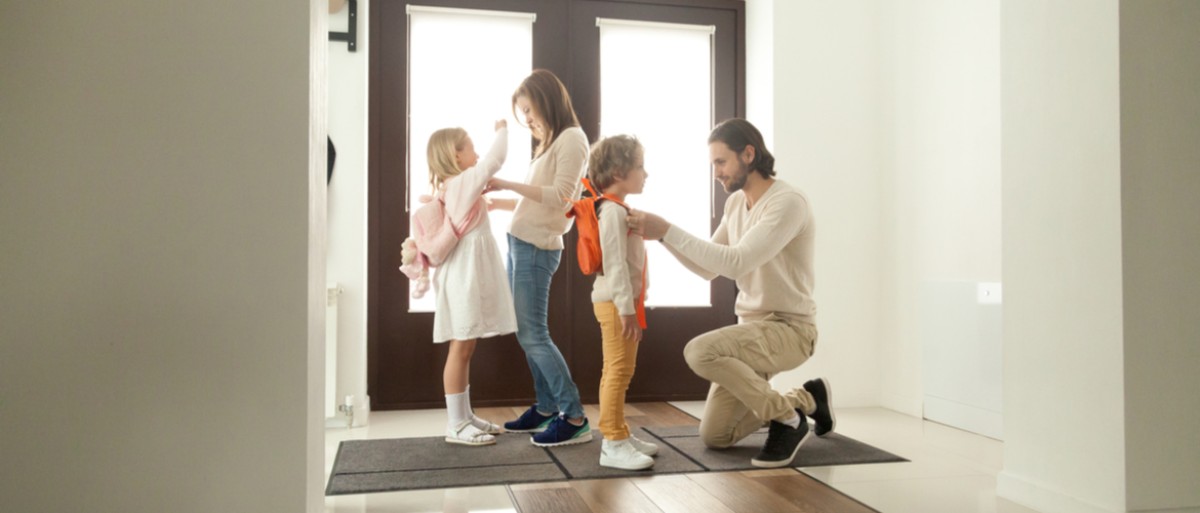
x=441, y=153
x=738, y=133
x=549, y=98
x=612, y=158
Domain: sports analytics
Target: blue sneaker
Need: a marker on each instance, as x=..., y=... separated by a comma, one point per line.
x=562, y=432
x=531, y=421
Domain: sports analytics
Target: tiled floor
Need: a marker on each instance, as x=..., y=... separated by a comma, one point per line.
x=951, y=471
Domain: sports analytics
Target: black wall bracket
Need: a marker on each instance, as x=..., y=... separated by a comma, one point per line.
x=351, y=34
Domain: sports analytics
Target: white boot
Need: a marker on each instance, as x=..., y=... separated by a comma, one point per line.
x=621, y=454
x=643, y=446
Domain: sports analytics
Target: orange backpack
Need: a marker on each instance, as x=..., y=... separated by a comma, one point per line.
x=585, y=210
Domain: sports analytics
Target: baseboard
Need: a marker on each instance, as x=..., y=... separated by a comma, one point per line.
x=1040, y=498
x=965, y=416
x=907, y=405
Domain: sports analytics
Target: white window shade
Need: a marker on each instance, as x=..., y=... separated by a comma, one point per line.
x=463, y=67
x=656, y=83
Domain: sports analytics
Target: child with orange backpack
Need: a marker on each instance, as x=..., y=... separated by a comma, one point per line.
x=616, y=169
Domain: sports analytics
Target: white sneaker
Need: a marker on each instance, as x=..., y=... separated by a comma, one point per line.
x=643, y=446
x=466, y=434
x=621, y=454
x=484, y=425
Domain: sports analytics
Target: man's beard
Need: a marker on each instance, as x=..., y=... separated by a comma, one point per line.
x=736, y=182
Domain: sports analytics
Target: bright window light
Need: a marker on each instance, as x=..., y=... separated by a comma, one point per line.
x=656, y=84
x=463, y=67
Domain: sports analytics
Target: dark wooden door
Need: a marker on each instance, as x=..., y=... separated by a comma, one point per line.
x=404, y=367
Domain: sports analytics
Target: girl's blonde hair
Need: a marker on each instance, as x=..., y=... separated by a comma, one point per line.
x=612, y=158
x=442, y=152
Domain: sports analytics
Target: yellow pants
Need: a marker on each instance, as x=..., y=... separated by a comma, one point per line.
x=620, y=358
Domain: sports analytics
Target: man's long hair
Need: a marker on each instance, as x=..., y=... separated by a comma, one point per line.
x=737, y=133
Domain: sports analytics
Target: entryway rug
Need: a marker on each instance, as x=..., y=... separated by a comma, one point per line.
x=365, y=466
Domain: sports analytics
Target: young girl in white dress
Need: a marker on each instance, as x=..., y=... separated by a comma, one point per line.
x=471, y=287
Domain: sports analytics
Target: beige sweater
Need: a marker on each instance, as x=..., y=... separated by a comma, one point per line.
x=767, y=250
x=557, y=171
x=624, y=256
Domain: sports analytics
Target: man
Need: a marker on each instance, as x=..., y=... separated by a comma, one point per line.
x=765, y=244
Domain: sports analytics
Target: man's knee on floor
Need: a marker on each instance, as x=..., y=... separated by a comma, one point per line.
x=716, y=439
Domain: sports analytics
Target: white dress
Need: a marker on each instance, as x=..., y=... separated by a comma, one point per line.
x=472, y=295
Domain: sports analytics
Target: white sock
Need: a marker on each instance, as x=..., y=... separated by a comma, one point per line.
x=457, y=408
x=470, y=411
x=794, y=422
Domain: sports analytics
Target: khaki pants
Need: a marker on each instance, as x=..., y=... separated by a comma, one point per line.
x=620, y=358
x=739, y=360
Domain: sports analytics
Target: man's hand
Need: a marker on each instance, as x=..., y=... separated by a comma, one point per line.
x=649, y=226
x=630, y=329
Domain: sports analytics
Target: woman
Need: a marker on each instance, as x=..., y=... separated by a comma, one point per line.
x=535, y=246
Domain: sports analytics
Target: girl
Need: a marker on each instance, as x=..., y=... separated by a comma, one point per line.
x=617, y=169
x=472, y=290
x=534, y=248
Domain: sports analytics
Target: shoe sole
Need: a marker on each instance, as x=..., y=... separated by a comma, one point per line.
x=584, y=438
x=457, y=441
x=829, y=406
x=782, y=463
x=610, y=464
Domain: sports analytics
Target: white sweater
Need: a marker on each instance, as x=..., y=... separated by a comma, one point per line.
x=767, y=250
x=624, y=259
x=557, y=171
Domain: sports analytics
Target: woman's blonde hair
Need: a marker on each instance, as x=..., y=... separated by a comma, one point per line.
x=548, y=97
x=612, y=158
x=442, y=155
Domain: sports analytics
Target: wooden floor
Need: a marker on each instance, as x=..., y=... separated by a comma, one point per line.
x=783, y=490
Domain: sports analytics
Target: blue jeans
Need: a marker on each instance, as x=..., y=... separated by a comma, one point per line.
x=529, y=271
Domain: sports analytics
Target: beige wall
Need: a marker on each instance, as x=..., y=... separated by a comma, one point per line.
x=1061, y=229
x=154, y=257
x=1160, y=190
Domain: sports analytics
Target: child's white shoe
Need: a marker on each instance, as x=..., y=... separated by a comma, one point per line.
x=621, y=454
x=466, y=434
x=484, y=425
x=643, y=446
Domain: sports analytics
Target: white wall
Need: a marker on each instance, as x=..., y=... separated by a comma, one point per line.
x=941, y=152
x=1160, y=185
x=159, y=342
x=1063, y=323
x=825, y=96
x=889, y=119
x=347, y=253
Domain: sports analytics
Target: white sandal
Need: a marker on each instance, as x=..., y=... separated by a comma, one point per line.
x=466, y=434
x=484, y=425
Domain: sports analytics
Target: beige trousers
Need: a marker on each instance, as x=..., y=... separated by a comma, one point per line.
x=739, y=360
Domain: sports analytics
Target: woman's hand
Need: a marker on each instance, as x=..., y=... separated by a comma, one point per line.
x=500, y=123
x=496, y=184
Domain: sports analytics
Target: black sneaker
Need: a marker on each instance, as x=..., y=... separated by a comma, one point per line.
x=783, y=442
x=823, y=395
x=531, y=421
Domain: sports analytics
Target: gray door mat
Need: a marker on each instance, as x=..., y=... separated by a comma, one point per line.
x=393, y=464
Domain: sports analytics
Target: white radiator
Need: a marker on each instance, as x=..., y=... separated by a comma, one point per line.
x=331, y=350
